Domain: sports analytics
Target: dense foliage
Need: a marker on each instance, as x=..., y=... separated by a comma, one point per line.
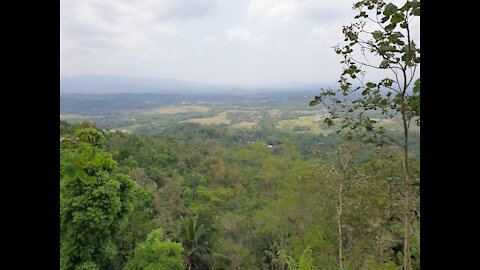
x=248, y=199
x=95, y=201
x=157, y=254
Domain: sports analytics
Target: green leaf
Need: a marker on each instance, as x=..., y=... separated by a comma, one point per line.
x=387, y=82
x=90, y=179
x=415, y=4
x=71, y=170
x=416, y=88
x=352, y=36
x=396, y=18
x=385, y=48
x=377, y=34
x=405, y=7
x=390, y=9
x=384, y=64
x=390, y=27
x=84, y=177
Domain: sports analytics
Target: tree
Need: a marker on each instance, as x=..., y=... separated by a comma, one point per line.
x=95, y=202
x=197, y=247
x=199, y=252
x=140, y=224
x=341, y=171
x=381, y=36
x=305, y=261
x=156, y=253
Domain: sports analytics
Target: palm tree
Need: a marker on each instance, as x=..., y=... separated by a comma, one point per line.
x=198, y=254
x=194, y=238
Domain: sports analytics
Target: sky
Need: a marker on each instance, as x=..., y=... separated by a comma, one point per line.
x=235, y=42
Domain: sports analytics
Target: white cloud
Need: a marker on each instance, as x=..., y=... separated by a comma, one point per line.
x=167, y=29
x=318, y=31
x=239, y=33
x=325, y=37
x=209, y=39
x=137, y=40
x=294, y=10
x=92, y=24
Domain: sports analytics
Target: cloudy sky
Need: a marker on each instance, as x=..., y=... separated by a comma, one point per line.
x=244, y=42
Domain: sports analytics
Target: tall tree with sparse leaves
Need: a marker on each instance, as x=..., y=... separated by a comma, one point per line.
x=380, y=39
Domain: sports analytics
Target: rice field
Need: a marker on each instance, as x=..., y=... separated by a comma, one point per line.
x=244, y=124
x=76, y=117
x=304, y=124
x=219, y=119
x=177, y=109
x=222, y=119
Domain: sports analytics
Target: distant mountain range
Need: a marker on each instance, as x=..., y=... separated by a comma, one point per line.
x=109, y=84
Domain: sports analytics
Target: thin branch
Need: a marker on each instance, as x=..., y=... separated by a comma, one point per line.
x=397, y=81
x=365, y=64
x=412, y=74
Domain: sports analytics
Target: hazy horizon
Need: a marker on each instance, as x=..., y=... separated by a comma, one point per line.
x=110, y=84
x=241, y=84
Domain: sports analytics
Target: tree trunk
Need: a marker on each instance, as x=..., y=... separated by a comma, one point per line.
x=406, y=242
x=339, y=223
x=406, y=123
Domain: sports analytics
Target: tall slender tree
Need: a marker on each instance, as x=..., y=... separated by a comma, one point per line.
x=344, y=159
x=380, y=39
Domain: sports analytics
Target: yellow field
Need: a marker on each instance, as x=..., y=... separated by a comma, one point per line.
x=177, y=109
x=75, y=116
x=304, y=121
x=397, y=127
x=244, y=124
x=221, y=119
x=71, y=116
x=309, y=121
x=218, y=119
